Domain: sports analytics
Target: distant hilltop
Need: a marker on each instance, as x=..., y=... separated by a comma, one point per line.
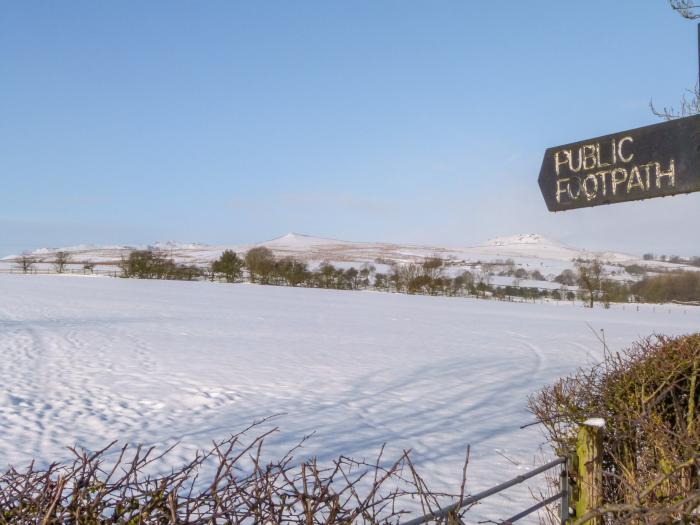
x=521, y=247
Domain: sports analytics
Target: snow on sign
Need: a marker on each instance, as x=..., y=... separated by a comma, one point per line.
x=653, y=161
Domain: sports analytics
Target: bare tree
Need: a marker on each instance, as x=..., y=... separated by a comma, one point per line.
x=482, y=280
x=432, y=267
x=366, y=271
x=590, y=278
x=409, y=272
x=60, y=260
x=25, y=262
x=690, y=105
x=690, y=101
x=685, y=8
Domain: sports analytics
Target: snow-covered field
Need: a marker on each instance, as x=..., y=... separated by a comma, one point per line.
x=88, y=359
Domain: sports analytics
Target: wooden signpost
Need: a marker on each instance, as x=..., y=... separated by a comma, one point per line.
x=653, y=161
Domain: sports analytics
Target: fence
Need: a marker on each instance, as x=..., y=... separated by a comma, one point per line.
x=580, y=485
x=71, y=271
x=449, y=515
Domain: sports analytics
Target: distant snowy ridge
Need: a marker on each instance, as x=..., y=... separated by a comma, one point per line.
x=523, y=238
x=300, y=240
x=539, y=256
x=525, y=249
x=535, y=245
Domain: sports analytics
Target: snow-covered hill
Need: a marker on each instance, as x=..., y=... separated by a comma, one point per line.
x=531, y=245
x=530, y=251
x=309, y=248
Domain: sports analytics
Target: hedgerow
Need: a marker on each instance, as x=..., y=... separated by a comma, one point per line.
x=649, y=397
x=230, y=483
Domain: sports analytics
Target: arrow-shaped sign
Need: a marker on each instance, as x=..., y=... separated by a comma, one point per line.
x=653, y=161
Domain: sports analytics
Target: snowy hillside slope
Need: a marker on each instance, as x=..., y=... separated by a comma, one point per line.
x=521, y=248
x=527, y=251
x=530, y=245
x=88, y=360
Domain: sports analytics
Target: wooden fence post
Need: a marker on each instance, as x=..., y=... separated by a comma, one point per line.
x=589, y=455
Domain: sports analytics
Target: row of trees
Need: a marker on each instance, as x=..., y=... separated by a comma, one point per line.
x=595, y=284
x=27, y=263
x=415, y=278
x=262, y=267
x=676, y=286
x=508, y=268
x=426, y=278
x=590, y=276
x=676, y=259
x=259, y=265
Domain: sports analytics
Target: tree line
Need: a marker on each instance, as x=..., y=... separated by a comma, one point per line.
x=596, y=284
x=674, y=286
x=259, y=265
x=262, y=267
x=675, y=259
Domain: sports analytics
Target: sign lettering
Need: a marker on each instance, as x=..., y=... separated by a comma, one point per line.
x=653, y=161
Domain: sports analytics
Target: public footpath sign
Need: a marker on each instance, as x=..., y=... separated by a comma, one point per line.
x=653, y=161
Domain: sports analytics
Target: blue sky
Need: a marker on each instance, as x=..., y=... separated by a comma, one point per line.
x=226, y=122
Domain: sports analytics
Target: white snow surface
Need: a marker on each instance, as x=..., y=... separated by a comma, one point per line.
x=88, y=359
